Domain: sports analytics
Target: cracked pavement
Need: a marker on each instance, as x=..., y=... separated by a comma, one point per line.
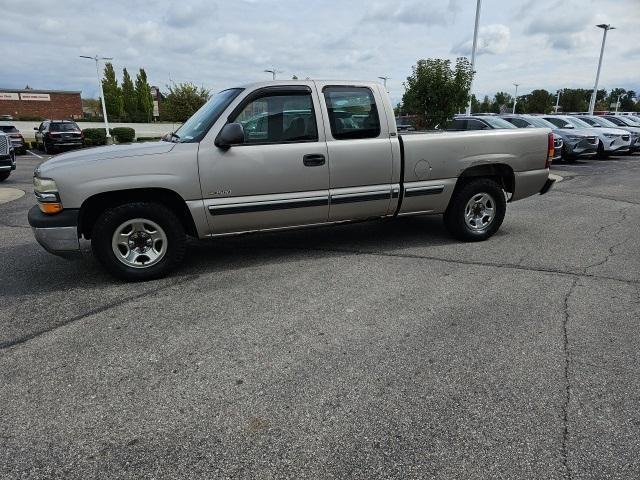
x=375, y=350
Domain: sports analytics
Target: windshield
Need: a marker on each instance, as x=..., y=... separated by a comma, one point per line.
x=200, y=122
x=8, y=129
x=496, y=122
x=631, y=120
x=576, y=122
x=598, y=122
x=540, y=122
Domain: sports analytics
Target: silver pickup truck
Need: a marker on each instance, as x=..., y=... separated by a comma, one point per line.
x=277, y=155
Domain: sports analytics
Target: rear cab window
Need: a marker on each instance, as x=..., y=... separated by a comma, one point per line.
x=353, y=113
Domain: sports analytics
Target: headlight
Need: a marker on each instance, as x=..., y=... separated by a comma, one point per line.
x=611, y=135
x=574, y=138
x=46, y=192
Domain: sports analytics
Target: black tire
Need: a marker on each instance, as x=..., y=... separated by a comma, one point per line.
x=454, y=217
x=601, y=153
x=570, y=159
x=113, y=218
x=4, y=175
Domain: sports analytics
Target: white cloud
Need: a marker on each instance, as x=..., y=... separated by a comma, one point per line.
x=492, y=39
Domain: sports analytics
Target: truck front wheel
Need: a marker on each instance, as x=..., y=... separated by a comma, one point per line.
x=476, y=210
x=138, y=241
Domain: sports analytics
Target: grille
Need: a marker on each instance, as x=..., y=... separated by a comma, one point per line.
x=557, y=142
x=4, y=145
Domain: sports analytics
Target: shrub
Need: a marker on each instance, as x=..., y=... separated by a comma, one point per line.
x=94, y=136
x=123, y=134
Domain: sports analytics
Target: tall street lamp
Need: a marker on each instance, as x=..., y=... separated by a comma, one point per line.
x=473, y=53
x=515, y=98
x=273, y=72
x=384, y=79
x=606, y=28
x=622, y=95
x=558, y=101
x=104, y=108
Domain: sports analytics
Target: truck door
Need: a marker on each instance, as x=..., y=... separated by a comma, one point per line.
x=279, y=177
x=360, y=153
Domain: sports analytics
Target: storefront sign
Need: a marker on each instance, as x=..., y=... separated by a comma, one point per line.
x=39, y=97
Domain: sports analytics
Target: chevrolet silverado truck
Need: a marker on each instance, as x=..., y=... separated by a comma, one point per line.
x=278, y=155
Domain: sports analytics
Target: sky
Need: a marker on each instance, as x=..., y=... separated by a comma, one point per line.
x=219, y=44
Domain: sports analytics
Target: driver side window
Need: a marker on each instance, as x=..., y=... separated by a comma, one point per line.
x=278, y=118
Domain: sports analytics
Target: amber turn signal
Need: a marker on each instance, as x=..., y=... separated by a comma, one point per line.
x=50, y=208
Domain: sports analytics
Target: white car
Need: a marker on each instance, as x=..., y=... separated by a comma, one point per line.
x=7, y=157
x=610, y=140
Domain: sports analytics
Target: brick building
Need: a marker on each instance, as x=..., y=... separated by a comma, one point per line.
x=32, y=104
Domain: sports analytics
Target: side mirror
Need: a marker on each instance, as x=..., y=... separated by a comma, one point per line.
x=231, y=134
x=35, y=128
x=568, y=125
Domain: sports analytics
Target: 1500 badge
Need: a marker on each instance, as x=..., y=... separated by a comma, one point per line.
x=220, y=192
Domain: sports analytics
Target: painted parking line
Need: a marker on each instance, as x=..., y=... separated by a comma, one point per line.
x=34, y=154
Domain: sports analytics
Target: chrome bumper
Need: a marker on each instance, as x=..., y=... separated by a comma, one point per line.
x=58, y=234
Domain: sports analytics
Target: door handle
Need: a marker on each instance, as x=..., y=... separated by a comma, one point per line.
x=313, y=160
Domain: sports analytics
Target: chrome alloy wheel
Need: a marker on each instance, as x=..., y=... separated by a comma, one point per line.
x=480, y=211
x=139, y=243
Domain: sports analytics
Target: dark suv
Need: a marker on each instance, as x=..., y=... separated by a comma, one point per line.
x=484, y=122
x=54, y=135
x=17, y=140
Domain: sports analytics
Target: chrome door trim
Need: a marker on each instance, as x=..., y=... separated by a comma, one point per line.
x=268, y=205
x=423, y=190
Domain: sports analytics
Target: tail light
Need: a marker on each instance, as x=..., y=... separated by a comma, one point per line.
x=550, y=151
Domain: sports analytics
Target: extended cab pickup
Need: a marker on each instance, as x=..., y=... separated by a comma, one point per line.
x=277, y=155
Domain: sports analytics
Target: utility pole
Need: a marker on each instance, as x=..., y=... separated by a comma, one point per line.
x=104, y=108
x=515, y=98
x=592, y=103
x=473, y=53
x=384, y=79
x=273, y=72
x=558, y=101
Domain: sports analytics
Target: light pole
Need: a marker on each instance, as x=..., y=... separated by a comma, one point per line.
x=473, y=53
x=622, y=95
x=273, y=72
x=515, y=98
x=592, y=103
x=104, y=108
x=384, y=79
x=558, y=101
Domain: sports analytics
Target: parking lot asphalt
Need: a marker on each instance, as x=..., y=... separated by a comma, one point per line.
x=374, y=350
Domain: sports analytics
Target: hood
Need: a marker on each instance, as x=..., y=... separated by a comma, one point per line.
x=107, y=152
x=573, y=132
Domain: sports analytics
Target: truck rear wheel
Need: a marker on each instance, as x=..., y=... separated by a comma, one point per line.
x=476, y=210
x=138, y=241
x=4, y=175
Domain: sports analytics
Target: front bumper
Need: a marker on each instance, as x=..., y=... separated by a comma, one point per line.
x=580, y=148
x=7, y=163
x=58, y=234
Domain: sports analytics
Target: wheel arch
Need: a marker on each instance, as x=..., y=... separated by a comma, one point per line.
x=93, y=206
x=501, y=172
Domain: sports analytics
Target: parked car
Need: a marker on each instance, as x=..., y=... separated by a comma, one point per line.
x=624, y=122
x=136, y=202
x=473, y=122
x=528, y=121
x=54, y=135
x=572, y=144
x=6, y=117
x=17, y=140
x=405, y=124
x=7, y=156
x=600, y=122
x=610, y=140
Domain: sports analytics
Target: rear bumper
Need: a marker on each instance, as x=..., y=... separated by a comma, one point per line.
x=57, y=234
x=529, y=183
x=547, y=185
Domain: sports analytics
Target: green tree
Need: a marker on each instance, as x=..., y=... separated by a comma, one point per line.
x=437, y=92
x=539, y=101
x=502, y=102
x=143, y=97
x=183, y=100
x=112, y=92
x=475, y=104
x=129, y=99
x=485, y=106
